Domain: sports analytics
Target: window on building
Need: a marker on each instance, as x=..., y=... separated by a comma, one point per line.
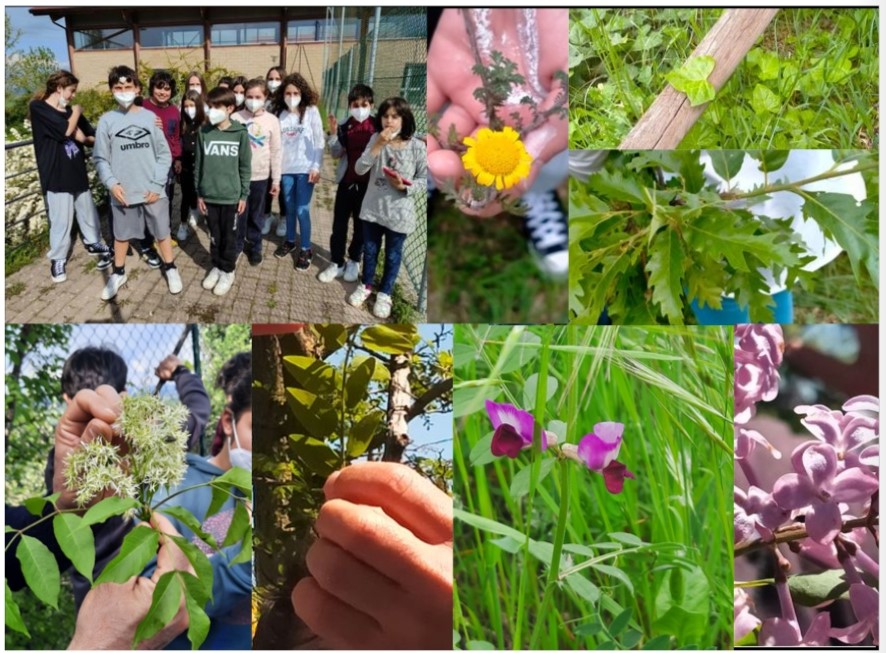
x=103, y=39
x=179, y=36
x=415, y=83
x=246, y=34
x=302, y=31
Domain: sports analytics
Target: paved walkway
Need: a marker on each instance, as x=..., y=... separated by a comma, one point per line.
x=271, y=292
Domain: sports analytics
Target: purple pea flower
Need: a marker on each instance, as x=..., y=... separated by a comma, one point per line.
x=513, y=429
x=599, y=450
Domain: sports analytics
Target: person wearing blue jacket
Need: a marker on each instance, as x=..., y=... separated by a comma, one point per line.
x=230, y=611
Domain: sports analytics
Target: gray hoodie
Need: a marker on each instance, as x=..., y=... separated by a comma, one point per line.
x=132, y=151
x=384, y=204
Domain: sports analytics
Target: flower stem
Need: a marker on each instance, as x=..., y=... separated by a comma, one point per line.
x=788, y=611
x=793, y=533
x=796, y=186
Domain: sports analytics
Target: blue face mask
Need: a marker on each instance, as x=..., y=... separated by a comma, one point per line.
x=239, y=457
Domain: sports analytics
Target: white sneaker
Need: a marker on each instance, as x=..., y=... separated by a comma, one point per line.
x=352, y=270
x=382, y=307
x=359, y=296
x=115, y=282
x=192, y=219
x=547, y=233
x=211, y=279
x=225, y=281
x=269, y=221
x=182, y=234
x=174, y=281
x=281, y=227
x=332, y=272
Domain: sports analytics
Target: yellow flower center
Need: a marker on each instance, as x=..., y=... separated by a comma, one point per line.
x=497, y=158
x=498, y=155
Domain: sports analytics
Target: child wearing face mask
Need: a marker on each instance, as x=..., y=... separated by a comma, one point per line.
x=239, y=88
x=161, y=88
x=346, y=143
x=230, y=609
x=132, y=159
x=222, y=170
x=264, y=138
x=193, y=117
x=302, y=130
x=274, y=79
x=397, y=163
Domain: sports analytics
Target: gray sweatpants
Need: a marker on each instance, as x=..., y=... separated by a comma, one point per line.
x=61, y=208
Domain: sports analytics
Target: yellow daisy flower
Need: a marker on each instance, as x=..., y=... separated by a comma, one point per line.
x=497, y=157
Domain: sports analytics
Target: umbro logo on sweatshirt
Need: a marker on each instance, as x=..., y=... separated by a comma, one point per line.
x=133, y=133
x=221, y=148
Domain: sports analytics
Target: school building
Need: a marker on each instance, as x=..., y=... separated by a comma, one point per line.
x=245, y=40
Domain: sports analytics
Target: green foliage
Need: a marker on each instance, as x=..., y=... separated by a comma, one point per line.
x=219, y=343
x=692, y=79
x=49, y=628
x=810, y=82
x=643, y=248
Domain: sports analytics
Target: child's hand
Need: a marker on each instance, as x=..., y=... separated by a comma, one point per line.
x=119, y=194
x=396, y=181
x=201, y=206
x=79, y=136
x=313, y=176
x=90, y=415
x=159, y=123
x=151, y=197
x=333, y=124
x=241, y=206
x=381, y=572
x=388, y=134
x=167, y=366
x=275, y=189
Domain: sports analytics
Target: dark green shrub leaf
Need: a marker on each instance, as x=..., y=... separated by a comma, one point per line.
x=108, y=508
x=363, y=433
x=164, y=606
x=357, y=382
x=76, y=541
x=39, y=569
x=13, y=615
x=185, y=517
x=198, y=622
x=138, y=549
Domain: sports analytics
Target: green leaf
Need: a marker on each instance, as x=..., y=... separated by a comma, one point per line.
x=488, y=525
x=108, y=508
x=843, y=218
x=13, y=615
x=463, y=354
x=466, y=401
x=530, y=386
x=315, y=454
x=198, y=622
x=235, y=477
x=185, y=517
x=363, y=433
x=358, y=380
x=520, y=356
x=245, y=554
x=627, y=538
x=659, y=643
x=480, y=645
x=334, y=336
x=35, y=505
x=621, y=621
x=615, y=572
x=311, y=373
x=771, y=160
x=481, y=453
x=686, y=616
x=391, y=338
x=239, y=525
x=665, y=268
x=630, y=639
x=138, y=549
x=201, y=589
x=164, y=606
x=726, y=163
x=692, y=79
x=613, y=185
x=812, y=590
x=219, y=497
x=764, y=100
x=76, y=541
x=583, y=587
x=315, y=413
x=558, y=428
x=521, y=480
x=39, y=569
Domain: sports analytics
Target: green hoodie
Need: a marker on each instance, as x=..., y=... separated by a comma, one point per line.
x=223, y=166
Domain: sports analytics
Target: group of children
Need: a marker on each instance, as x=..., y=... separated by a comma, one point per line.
x=233, y=148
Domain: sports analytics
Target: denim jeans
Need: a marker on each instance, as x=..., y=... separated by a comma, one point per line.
x=372, y=239
x=297, y=193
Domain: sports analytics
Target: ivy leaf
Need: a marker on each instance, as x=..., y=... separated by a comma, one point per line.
x=198, y=622
x=843, y=218
x=692, y=79
x=13, y=615
x=764, y=100
x=665, y=270
x=108, y=508
x=139, y=548
x=39, y=569
x=76, y=541
x=164, y=606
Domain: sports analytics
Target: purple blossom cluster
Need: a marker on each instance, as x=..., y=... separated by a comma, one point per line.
x=825, y=510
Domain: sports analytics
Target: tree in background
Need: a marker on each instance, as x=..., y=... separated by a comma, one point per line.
x=25, y=74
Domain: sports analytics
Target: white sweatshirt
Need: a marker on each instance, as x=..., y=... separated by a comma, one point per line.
x=302, y=141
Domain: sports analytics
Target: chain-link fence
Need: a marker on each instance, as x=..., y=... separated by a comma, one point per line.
x=385, y=48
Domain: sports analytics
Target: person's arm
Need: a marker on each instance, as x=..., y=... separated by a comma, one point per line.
x=337, y=142
x=420, y=166
x=245, y=156
x=370, y=154
x=276, y=151
x=163, y=161
x=101, y=155
x=316, y=127
x=191, y=392
x=198, y=160
x=54, y=124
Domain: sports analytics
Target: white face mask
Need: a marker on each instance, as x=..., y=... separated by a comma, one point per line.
x=254, y=105
x=360, y=114
x=195, y=87
x=238, y=98
x=62, y=102
x=293, y=101
x=125, y=99
x=239, y=457
x=217, y=115
x=191, y=111
x=274, y=84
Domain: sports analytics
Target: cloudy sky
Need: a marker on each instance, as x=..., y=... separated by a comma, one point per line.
x=38, y=30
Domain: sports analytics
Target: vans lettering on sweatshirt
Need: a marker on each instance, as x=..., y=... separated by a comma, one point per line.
x=223, y=164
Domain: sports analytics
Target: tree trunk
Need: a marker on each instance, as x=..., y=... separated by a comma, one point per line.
x=399, y=402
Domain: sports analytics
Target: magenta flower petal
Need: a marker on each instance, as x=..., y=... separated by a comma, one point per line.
x=779, y=632
x=793, y=491
x=820, y=463
x=865, y=602
x=614, y=476
x=823, y=522
x=863, y=402
x=853, y=485
x=507, y=442
x=870, y=456
x=600, y=448
x=859, y=430
x=819, y=631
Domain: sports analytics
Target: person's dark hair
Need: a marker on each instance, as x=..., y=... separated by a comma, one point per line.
x=258, y=82
x=360, y=92
x=56, y=81
x=402, y=109
x=237, y=367
x=122, y=72
x=222, y=96
x=90, y=367
x=239, y=80
x=188, y=125
x=241, y=396
x=227, y=80
x=308, y=95
x=162, y=77
x=203, y=88
x=279, y=69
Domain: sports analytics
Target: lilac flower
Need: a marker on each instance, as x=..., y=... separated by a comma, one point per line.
x=513, y=430
x=843, y=432
x=756, y=514
x=865, y=602
x=743, y=620
x=820, y=485
x=599, y=449
x=779, y=631
x=758, y=353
